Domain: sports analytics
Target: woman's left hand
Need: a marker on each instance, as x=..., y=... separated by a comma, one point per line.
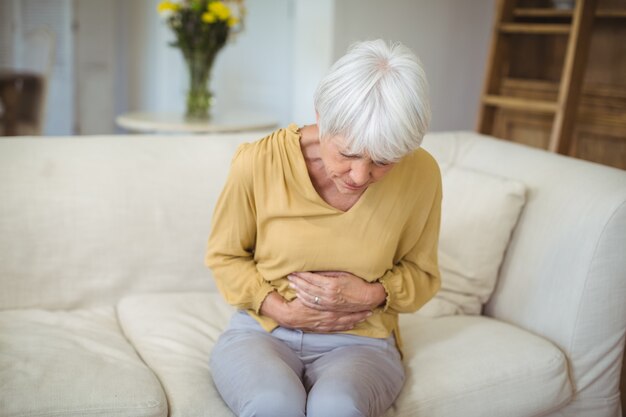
x=336, y=291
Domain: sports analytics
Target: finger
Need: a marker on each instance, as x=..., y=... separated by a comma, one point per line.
x=326, y=327
x=355, y=318
x=300, y=284
x=330, y=274
x=313, y=301
x=309, y=302
x=333, y=326
x=328, y=322
x=344, y=319
x=317, y=280
x=304, y=296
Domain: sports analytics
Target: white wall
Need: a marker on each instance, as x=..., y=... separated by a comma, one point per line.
x=451, y=37
x=148, y=72
x=312, y=56
x=255, y=72
x=95, y=48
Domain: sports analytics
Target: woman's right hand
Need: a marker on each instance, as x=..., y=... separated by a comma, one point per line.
x=295, y=315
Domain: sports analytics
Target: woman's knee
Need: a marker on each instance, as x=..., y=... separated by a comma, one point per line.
x=275, y=403
x=339, y=404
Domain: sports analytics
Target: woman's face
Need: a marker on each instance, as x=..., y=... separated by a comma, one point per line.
x=352, y=174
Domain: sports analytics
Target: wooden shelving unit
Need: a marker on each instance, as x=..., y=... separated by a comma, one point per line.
x=556, y=78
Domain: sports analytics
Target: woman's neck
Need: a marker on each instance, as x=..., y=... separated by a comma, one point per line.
x=310, y=142
x=310, y=146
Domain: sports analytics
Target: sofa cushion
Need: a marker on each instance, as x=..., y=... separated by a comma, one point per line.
x=478, y=214
x=457, y=365
x=174, y=334
x=72, y=363
x=478, y=366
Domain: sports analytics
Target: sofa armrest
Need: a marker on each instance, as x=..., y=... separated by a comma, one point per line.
x=563, y=276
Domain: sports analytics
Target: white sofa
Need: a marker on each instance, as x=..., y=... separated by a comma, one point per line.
x=106, y=308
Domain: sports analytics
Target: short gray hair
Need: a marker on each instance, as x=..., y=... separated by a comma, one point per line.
x=376, y=96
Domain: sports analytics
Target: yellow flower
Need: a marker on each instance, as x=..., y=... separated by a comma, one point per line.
x=232, y=21
x=220, y=10
x=208, y=17
x=165, y=6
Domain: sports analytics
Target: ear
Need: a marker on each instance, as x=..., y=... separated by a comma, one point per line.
x=317, y=117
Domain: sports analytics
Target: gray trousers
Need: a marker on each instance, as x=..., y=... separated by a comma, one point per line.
x=289, y=373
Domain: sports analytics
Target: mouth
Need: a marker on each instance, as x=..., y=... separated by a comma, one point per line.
x=354, y=187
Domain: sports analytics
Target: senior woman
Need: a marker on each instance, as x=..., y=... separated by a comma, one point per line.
x=322, y=235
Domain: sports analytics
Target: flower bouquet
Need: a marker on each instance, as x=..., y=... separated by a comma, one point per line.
x=202, y=28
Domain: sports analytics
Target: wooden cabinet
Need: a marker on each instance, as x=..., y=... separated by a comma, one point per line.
x=533, y=68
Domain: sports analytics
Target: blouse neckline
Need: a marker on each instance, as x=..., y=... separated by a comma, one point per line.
x=295, y=137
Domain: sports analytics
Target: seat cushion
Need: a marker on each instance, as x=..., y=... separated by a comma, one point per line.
x=174, y=334
x=456, y=365
x=478, y=366
x=74, y=363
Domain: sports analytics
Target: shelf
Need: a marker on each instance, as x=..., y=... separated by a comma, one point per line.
x=565, y=13
x=592, y=90
x=532, y=12
x=516, y=103
x=535, y=28
x=614, y=14
x=617, y=121
x=531, y=84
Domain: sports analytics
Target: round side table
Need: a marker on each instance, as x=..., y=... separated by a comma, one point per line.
x=147, y=122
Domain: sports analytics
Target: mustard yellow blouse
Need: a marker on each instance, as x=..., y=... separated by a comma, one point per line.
x=270, y=221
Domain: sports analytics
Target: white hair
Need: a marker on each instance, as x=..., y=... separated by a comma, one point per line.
x=376, y=96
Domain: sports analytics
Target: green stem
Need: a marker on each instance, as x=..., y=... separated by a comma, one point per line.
x=199, y=65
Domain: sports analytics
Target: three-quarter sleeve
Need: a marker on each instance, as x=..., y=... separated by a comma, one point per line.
x=230, y=253
x=415, y=278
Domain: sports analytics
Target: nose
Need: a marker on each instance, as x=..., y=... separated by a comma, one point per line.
x=360, y=172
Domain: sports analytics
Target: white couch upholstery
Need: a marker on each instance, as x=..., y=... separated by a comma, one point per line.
x=106, y=308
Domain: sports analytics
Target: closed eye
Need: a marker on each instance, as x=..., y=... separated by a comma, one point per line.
x=357, y=156
x=350, y=156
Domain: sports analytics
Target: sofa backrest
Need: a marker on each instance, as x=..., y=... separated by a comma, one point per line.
x=85, y=220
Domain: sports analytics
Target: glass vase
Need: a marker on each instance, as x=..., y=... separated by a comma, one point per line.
x=199, y=97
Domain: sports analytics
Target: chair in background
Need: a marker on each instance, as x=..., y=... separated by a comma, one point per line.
x=24, y=89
